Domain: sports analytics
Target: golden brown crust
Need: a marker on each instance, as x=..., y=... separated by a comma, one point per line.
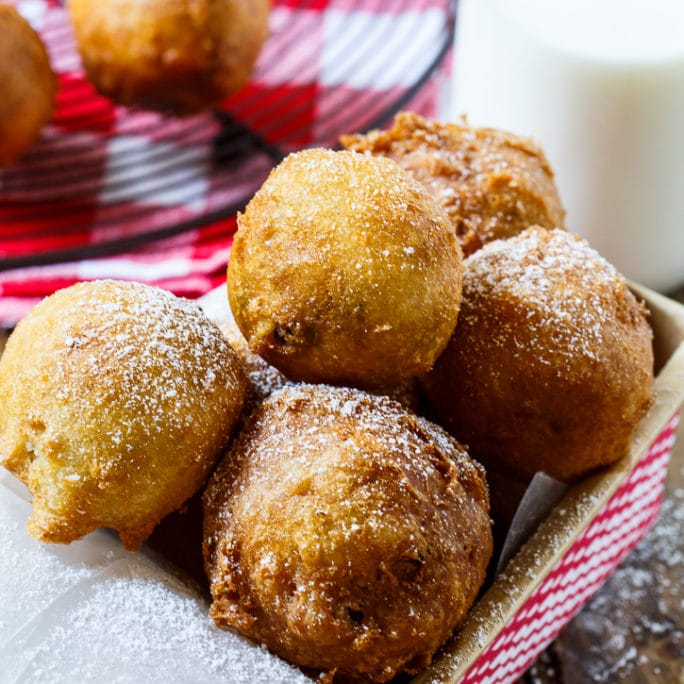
x=551, y=365
x=343, y=270
x=345, y=533
x=492, y=184
x=27, y=85
x=116, y=399
x=180, y=56
x=263, y=378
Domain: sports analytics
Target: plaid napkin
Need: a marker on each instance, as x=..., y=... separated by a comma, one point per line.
x=112, y=192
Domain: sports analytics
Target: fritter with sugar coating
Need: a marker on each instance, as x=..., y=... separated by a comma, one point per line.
x=345, y=533
x=263, y=378
x=27, y=85
x=491, y=183
x=116, y=399
x=176, y=56
x=551, y=365
x=344, y=270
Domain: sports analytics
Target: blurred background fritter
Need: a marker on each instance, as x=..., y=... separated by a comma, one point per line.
x=177, y=56
x=27, y=85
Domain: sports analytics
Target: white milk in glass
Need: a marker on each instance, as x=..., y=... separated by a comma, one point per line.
x=599, y=84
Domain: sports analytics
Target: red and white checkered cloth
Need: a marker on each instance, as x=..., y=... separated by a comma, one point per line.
x=103, y=174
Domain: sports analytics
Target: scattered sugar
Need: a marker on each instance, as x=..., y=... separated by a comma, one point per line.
x=140, y=627
x=564, y=288
x=91, y=612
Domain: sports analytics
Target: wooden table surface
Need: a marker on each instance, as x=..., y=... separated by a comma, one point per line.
x=633, y=628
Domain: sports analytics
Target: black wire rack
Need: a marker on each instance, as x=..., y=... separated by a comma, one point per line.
x=105, y=179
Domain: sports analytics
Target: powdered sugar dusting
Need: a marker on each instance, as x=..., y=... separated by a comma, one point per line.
x=563, y=287
x=133, y=360
x=157, y=342
x=168, y=629
x=370, y=203
x=330, y=410
x=91, y=612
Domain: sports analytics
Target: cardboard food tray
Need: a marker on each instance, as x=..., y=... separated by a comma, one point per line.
x=141, y=622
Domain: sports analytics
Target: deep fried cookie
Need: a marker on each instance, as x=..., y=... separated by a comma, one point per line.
x=116, y=399
x=345, y=533
x=344, y=270
x=551, y=365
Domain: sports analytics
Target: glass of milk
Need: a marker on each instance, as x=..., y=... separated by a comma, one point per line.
x=599, y=84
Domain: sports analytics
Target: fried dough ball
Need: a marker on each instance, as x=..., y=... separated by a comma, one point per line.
x=344, y=270
x=263, y=378
x=345, y=533
x=27, y=85
x=551, y=365
x=492, y=184
x=116, y=399
x=178, y=56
